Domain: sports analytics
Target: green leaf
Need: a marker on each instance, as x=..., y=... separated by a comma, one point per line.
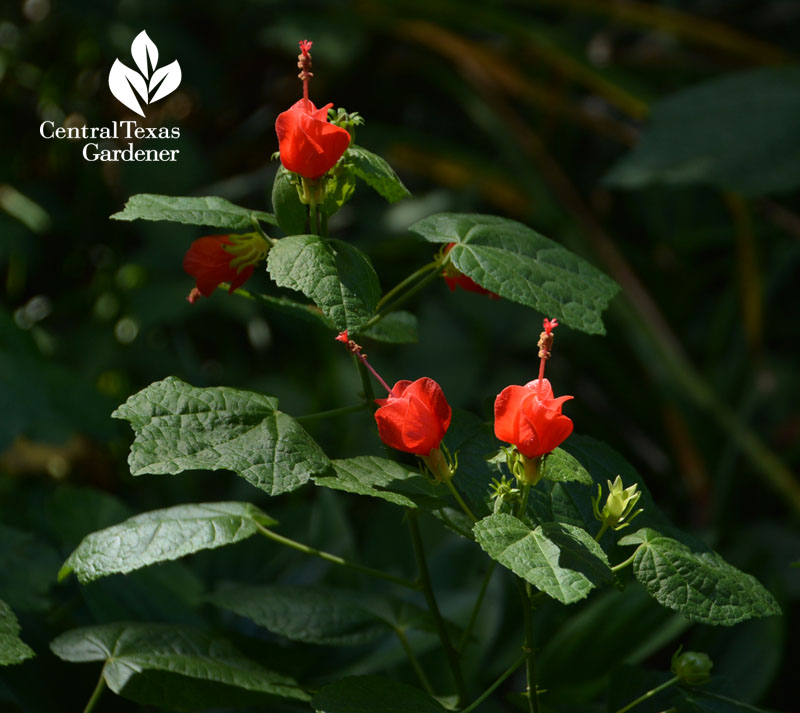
x=12, y=648
x=561, y=467
x=168, y=665
x=291, y=214
x=561, y=560
x=395, y=328
x=163, y=535
x=338, y=277
x=192, y=210
x=700, y=585
x=384, y=479
x=376, y=173
x=311, y=615
x=737, y=132
x=373, y=694
x=515, y=262
x=339, y=188
x=181, y=427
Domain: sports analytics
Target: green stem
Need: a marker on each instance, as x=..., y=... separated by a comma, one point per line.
x=411, y=278
x=649, y=694
x=623, y=565
x=423, y=679
x=530, y=659
x=335, y=559
x=433, y=607
x=601, y=531
x=523, y=504
x=488, y=692
x=98, y=691
x=460, y=500
x=477, y=607
x=257, y=225
x=332, y=412
x=386, y=309
x=453, y=526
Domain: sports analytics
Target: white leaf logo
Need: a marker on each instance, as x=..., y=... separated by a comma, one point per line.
x=150, y=83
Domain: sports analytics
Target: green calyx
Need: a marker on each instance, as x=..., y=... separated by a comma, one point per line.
x=527, y=471
x=440, y=464
x=618, y=509
x=347, y=120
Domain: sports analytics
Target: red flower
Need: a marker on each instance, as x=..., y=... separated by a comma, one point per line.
x=530, y=418
x=415, y=416
x=455, y=278
x=209, y=263
x=309, y=144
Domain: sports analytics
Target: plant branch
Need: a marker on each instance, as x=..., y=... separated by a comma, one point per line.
x=433, y=607
x=649, y=694
x=332, y=412
x=477, y=606
x=530, y=658
x=335, y=559
x=386, y=309
x=412, y=659
x=369, y=394
x=460, y=500
x=488, y=692
x=408, y=280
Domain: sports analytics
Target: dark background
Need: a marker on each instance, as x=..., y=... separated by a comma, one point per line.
x=514, y=108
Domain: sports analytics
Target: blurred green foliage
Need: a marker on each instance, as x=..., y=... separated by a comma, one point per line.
x=530, y=110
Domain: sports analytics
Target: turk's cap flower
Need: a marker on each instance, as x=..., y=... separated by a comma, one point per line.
x=618, y=509
x=530, y=418
x=215, y=259
x=414, y=417
x=692, y=667
x=309, y=144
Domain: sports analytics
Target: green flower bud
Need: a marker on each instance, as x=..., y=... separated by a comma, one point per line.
x=692, y=667
x=618, y=509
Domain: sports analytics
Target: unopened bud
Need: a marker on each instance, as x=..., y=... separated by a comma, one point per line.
x=618, y=509
x=692, y=667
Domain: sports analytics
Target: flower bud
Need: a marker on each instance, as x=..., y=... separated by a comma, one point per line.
x=692, y=667
x=618, y=509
